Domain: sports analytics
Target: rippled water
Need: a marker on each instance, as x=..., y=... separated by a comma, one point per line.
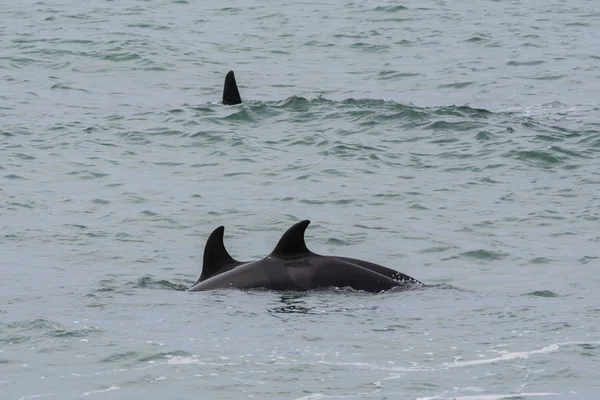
x=456, y=143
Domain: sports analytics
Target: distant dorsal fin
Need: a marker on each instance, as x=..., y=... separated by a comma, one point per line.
x=292, y=242
x=231, y=94
x=216, y=256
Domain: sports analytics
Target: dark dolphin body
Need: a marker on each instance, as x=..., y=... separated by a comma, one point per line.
x=291, y=266
x=231, y=94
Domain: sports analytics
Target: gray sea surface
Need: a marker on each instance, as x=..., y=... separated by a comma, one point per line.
x=456, y=142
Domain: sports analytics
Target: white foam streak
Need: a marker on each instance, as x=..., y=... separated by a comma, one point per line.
x=511, y=356
x=110, y=389
x=504, y=396
x=180, y=360
x=457, y=364
x=318, y=396
x=489, y=396
x=504, y=357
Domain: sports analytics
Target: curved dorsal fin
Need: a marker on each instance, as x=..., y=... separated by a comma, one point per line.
x=231, y=94
x=215, y=255
x=292, y=242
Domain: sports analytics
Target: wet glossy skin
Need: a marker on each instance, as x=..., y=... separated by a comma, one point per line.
x=300, y=273
x=291, y=266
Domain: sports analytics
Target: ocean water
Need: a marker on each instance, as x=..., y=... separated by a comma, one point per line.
x=455, y=142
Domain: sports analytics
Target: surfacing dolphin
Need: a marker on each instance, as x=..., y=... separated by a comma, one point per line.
x=218, y=260
x=231, y=94
x=291, y=266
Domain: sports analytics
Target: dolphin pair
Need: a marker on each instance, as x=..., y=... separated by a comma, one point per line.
x=292, y=266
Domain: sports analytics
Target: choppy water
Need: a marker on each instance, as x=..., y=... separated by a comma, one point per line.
x=457, y=143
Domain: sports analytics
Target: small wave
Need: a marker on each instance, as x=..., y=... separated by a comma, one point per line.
x=294, y=103
x=534, y=157
x=484, y=135
x=478, y=38
x=483, y=254
x=462, y=111
x=567, y=152
x=525, y=63
x=162, y=356
x=456, y=85
x=539, y=260
x=120, y=57
x=129, y=355
x=148, y=282
x=26, y=331
x=443, y=286
x=542, y=293
x=62, y=86
x=386, y=75
x=241, y=114
x=375, y=108
x=374, y=48
x=13, y=176
x=390, y=9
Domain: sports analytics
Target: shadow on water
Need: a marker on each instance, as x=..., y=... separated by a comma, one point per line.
x=299, y=302
x=293, y=303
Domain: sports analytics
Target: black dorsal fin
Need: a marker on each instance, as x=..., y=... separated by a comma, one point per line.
x=292, y=242
x=231, y=94
x=216, y=256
